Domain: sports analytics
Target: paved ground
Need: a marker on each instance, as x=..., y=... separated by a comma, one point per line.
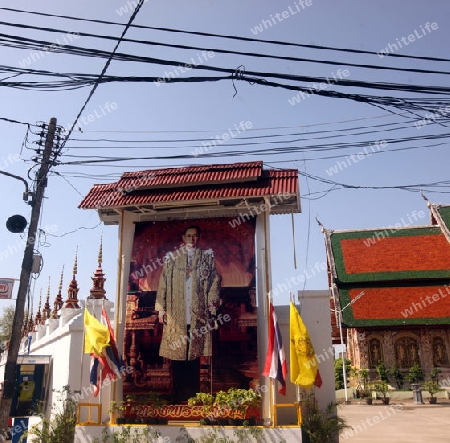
x=401, y=422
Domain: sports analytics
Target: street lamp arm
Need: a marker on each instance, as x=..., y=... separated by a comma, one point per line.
x=17, y=177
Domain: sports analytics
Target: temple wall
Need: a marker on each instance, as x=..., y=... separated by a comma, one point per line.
x=402, y=347
x=63, y=340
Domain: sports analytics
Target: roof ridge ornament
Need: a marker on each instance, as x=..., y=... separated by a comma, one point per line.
x=58, y=303
x=97, y=291
x=72, y=296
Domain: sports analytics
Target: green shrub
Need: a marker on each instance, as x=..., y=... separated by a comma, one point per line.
x=60, y=427
x=415, y=374
x=432, y=387
x=397, y=376
x=383, y=372
x=338, y=372
x=321, y=426
x=434, y=374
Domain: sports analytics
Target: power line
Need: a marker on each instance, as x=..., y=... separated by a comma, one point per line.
x=98, y=80
x=235, y=141
x=10, y=120
x=222, y=51
x=409, y=104
x=232, y=37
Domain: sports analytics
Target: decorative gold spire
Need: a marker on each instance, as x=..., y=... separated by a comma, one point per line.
x=97, y=291
x=30, y=326
x=46, y=312
x=100, y=251
x=25, y=325
x=38, y=318
x=58, y=303
x=72, y=295
x=75, y=264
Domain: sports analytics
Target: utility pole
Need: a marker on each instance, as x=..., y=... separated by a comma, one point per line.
x=16, y=335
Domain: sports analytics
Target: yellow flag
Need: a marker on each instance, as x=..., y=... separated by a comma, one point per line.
x=304, y=365
x=96, y=335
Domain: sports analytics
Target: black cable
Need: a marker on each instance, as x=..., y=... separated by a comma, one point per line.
x=75, y=50
x=105, y=161
x=212, y=143
x=226, y=51
x=98, y=80
x=10, y=120
x=232, y=37
x=399, y=103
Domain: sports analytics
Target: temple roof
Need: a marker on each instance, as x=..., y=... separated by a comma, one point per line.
x=390, y=254
x=403, y=271
x=227, y=187
x=441, y=214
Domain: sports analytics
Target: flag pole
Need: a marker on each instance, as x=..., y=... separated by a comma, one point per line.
x=267, y=286
x=271, y=380
x=82, y=352
x=101, y=378
x=297, y=387
x=118, y=295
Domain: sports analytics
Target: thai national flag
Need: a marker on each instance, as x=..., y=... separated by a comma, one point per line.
x=112, y=359
x=275, y=364
x=95, y=377
x=108, y=363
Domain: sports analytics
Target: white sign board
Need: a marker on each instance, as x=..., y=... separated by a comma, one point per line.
x=6, y=287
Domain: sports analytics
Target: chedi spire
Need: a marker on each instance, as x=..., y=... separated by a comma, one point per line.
x=98, y=280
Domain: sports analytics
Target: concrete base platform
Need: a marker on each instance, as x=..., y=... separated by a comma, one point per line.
x=172, y=434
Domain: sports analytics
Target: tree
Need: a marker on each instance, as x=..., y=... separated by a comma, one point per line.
x=6, y=321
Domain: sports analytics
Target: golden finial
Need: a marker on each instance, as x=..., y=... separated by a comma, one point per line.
x=47, y=311
x=100, y=252
x=75, y=265
x=61, y=279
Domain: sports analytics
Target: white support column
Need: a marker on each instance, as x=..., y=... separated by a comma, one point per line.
x=126, y=236
x=263, y=285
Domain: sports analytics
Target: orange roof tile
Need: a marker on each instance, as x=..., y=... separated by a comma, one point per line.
x=191, y=175
x=390, y=254
x=399, y=254
x=192, y=184
x=397, y=305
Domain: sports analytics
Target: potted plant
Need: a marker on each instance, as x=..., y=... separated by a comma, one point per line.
x=244, y=401
x=367, y=396
x=382, y=388
x=434, y=374
x=415, y=374
x=206, y=400
x=355, y=375
x=397, y=376
x=363, y=387
x=383, y=372
x=321, y=425
x=115, y=413
x=202, y=399
x=432, y=387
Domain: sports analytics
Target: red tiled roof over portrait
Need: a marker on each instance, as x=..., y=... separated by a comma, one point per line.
x=394, y=254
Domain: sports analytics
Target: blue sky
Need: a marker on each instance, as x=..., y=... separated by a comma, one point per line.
x=206, y=110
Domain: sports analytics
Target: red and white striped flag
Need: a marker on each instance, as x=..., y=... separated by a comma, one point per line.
x=275, y=365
